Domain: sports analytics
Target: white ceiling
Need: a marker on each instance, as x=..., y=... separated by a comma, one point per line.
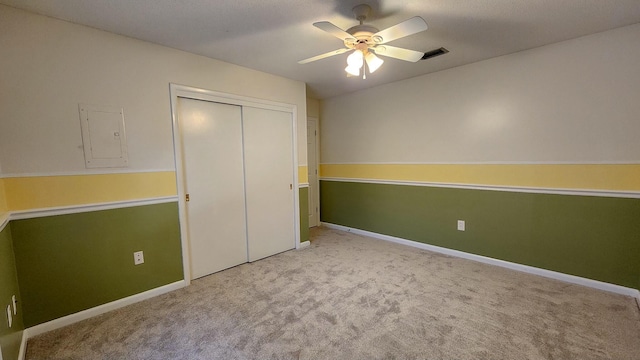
x=272, y=35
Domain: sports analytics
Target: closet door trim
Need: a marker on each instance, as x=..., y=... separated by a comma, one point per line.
x=182, y=91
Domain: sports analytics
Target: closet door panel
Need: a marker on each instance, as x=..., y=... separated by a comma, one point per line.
x=214, y=179
x=268, y=154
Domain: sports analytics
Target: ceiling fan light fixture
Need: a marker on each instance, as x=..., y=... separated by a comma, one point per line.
x=352, y=70
x=355, y=59
x=373, y=62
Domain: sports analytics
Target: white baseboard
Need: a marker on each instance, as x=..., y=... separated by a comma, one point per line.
x=98, y=310
x=304, y=244
x=505, y=264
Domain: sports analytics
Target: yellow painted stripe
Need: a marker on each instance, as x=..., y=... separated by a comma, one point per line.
x=23, y=193
x=3, y=199
x=616, y=177
x=303, y=175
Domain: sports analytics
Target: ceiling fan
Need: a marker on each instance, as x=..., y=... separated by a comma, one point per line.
x=365, y=42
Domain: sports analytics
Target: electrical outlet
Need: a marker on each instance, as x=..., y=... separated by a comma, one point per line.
x=9, y=316
x=461, y=225
x=15, y=304
x=138, y=258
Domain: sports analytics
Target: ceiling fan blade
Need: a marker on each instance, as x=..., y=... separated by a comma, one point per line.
x=325, y=55
x=398, y=53
x=409, y=27
x=334, y=30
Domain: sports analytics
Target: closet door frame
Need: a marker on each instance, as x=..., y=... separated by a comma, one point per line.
x=182, y=91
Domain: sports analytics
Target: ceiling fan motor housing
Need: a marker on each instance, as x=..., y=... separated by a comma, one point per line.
x=362, y=34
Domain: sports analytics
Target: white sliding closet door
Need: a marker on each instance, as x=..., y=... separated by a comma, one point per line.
x=269, y=179
x=214, y=179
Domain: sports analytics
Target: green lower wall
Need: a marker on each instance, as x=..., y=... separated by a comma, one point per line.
x=10, y=338
x=69, y=263
x=304, y=214
x=592, y=237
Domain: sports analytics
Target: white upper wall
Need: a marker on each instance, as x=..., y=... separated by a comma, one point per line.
x=49, y=66
x=576, y=101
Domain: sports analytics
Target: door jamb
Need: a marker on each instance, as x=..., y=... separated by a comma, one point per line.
x=316, y=193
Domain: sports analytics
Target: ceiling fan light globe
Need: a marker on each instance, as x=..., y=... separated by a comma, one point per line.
x=373, y=62
x=355, y=59
x=353, y=70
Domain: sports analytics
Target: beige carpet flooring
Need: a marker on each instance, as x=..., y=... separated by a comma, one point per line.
x=352, y=297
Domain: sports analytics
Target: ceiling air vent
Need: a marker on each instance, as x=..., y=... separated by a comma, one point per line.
x=434, y=53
